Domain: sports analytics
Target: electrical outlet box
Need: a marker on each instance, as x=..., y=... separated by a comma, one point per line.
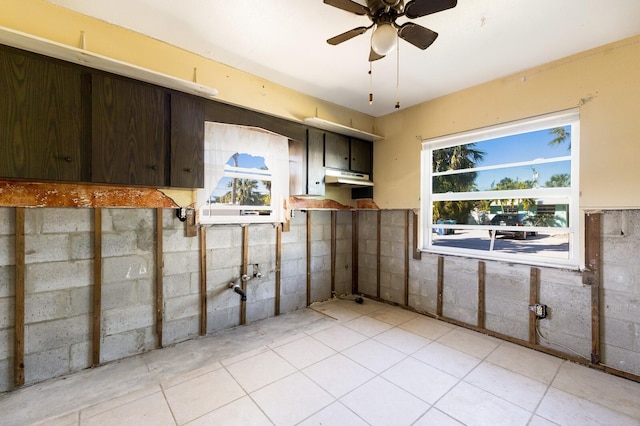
x=539, y=310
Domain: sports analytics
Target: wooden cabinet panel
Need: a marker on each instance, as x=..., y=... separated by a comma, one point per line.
x=129, y=142
x=187, y=141
x=361, y=153
x=41, y=130
x=336, y=151
x=315, y=160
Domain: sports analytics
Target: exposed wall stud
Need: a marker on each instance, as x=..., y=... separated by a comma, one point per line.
x=378, y=250
x=308, y=257
x=417, y=254
x=97, y=285
x=440, y=285
x=19, y=298
x=333, y=252
x=203, y=281
x=354, y=250
x=593, y=258
x=245, y=271
x=278, y=266
x=159, y=278
x=534, y=285
x=481, y=294
x=406, y=257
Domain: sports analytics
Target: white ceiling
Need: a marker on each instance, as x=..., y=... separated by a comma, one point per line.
x=284, y=41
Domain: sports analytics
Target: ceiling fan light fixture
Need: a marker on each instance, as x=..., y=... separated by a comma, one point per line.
x=384, y=39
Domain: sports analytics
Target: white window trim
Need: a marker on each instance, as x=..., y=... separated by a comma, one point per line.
x=562, y=118
x=251, y=140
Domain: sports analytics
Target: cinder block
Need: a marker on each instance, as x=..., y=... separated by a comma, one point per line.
x=80, y=356
x=119, y=320
x=222, y=319
x=6, y=343
x=7, y=278
x=622, y=306
x=177, y=285
x=118, y=269
x=123, y=345
x=621, y=334
x=621, y=359
x=292, y=302
x=294, y=251
x=180, y=330
x=223, y=258
x=81, y=246
x=44, y=336
x=131, y=219
x=264, y=255
x=260, y=309
x=177, y=263
x=174, y=240
x=47, y=306
x=41, y=248
x=116, y=295
x=508, y=327
x=621, y=278
x=262, y=235
x=6, y=375
x=41, y=277
x=66, y=220
x=44, y=365
x=7, y=309
x=119, y=244
x=179, y=308
x=7, y=221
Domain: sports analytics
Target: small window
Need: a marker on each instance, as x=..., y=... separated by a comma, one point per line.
x=246, y=175
x=507, y=192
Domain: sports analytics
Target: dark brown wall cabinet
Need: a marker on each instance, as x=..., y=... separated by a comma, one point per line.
x=41, y=119
x=315, y=162
x=128, y=132
x=344, y=153
x=361, y=156
x=187, y=141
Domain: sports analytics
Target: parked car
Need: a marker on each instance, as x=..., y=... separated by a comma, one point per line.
x=512, y=219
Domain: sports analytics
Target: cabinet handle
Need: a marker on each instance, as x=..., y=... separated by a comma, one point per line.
x=318, y=183
x=68, y=159
x=155, y=168
x=188, y=170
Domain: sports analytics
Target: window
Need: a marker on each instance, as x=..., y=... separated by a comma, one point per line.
x=246, y=175
x=507, y=192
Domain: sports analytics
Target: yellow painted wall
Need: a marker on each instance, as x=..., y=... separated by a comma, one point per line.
x=604, y=83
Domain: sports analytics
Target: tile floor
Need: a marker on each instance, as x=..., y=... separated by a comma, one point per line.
x=339, y=363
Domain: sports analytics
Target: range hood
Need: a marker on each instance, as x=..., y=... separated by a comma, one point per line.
x=346, y=179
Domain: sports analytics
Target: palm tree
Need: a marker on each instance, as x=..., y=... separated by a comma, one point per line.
x=243, y=192
x=561, y=136
x=510, y=184
x=560, y=180
x=454, y=158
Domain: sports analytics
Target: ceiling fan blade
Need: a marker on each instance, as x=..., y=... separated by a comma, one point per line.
x=347, y=35
x=418, y=8
x=349, y=6
x=373, y=56
x=417, y=35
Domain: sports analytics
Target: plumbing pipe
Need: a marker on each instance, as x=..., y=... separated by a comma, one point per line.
x=237, y=289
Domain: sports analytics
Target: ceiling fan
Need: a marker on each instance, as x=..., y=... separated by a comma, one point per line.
x=383, y=14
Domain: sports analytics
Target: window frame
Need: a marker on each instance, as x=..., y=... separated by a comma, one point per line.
x=571, y=193
x=277, y=174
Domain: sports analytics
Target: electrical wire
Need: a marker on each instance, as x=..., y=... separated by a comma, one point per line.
x=557, y=344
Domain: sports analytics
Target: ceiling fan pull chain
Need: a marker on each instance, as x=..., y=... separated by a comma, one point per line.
x=398, y=73
x=370, y=83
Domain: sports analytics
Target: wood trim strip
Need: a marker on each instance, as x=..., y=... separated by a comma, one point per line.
x=534, y=284
x=417, y=254
x=355, y=243
x=19, y=297
x=481, y=294
x=159, y=277
x=203, y=280
x=378, y=250
x=406, y=258
x=593, y=258
x=308, y=257
x=97, y=286
x=245, y=271
x=440, y=285
x=278, y=266
x=333, y=252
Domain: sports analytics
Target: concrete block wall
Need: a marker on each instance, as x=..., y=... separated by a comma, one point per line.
x=568, y=325
x=392, y=255
x=7, y=297
x=320, y=255
x=621, y=289
x=128, y=282
x=293, y=286
x=344, y=257
x=368, y=252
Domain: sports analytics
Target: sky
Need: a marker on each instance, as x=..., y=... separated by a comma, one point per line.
x=518, y=148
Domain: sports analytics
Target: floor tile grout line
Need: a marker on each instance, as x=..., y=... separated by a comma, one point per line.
x=166, y=400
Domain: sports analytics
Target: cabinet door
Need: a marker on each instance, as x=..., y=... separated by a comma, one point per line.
x=336, y=151
x=315, y=156
x=361, y=153
x=129, y=143
x=41, y=119
x=187, y=141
